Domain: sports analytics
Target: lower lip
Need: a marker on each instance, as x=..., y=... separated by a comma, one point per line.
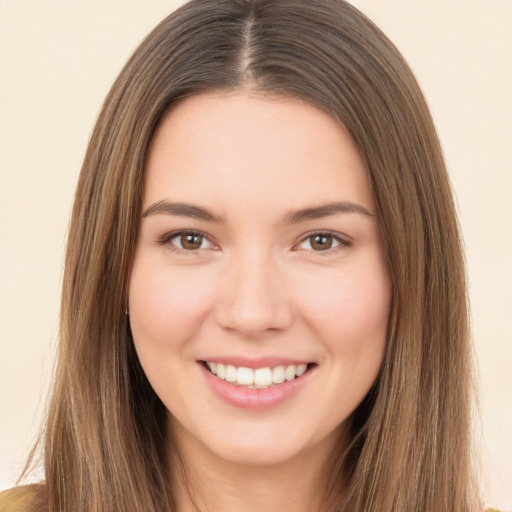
x=248, y=398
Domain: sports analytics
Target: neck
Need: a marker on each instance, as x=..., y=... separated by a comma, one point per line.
x=204, y=482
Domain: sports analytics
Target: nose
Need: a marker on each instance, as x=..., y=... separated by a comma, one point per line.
x=254, y=299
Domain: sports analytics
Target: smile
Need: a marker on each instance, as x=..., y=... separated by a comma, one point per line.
x=258, y=378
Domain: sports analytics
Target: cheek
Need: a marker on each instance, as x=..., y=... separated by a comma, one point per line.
x=166, y=308
x=349, y=309
x=350, y=315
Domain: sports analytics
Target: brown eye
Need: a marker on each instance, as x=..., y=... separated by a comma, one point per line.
x=187, y=241
x=321, y=242
x=190, y=241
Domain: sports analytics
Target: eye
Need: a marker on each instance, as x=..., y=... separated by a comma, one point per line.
x=322, y=242
x=188, y=241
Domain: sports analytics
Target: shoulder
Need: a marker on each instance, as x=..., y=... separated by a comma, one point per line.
x=25, y=498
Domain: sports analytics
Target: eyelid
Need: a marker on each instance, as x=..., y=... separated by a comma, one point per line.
x=343, y=241
x=167, y=237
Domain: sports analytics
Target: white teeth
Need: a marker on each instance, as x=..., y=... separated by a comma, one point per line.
x=221, y=371
x=263, y=377
x=256, y=379
x=301, y=369
x=231, y=375
x=245, y=376
x=289, y=373
x=278, y=375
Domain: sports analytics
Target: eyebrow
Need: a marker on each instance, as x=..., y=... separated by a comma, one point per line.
x=317, y=212
x=293, y=217
x=182, y=209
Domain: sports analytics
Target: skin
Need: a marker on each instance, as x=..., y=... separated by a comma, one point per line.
x=257, y=286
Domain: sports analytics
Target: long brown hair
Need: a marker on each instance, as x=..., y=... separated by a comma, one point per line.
x=410, y=442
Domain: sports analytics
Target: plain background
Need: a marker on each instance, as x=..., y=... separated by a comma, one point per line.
x=57, y=61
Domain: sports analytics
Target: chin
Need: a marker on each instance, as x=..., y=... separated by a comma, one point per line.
x=263, y=445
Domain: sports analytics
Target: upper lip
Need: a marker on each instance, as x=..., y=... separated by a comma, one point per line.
x=256, y=362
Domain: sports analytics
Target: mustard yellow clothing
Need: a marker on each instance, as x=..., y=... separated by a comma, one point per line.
x=26, y=498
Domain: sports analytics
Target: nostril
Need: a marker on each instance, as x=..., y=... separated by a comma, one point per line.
x=254, y=320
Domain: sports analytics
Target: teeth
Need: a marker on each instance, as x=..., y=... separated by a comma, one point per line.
x=231, y=374
x=301, y=369
x=245, y=376
x=289, y=373
x=278, y=375
x=256, y=379
x=263, y=377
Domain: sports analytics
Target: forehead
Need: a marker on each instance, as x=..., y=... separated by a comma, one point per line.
x=241, y=146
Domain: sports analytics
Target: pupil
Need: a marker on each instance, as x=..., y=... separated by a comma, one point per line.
x=322, y=242
x=191, y=241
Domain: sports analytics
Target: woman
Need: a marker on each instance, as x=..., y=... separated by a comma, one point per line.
x=264, y=297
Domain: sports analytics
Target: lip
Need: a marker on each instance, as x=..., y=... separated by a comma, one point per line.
x=256, y=399
x=256, y=362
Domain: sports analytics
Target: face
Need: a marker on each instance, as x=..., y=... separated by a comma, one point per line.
x=259, y=295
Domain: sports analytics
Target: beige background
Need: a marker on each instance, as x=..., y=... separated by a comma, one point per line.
x=57, y=61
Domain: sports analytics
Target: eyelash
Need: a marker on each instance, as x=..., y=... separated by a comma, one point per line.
x=341, y=242
x=168, y=237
